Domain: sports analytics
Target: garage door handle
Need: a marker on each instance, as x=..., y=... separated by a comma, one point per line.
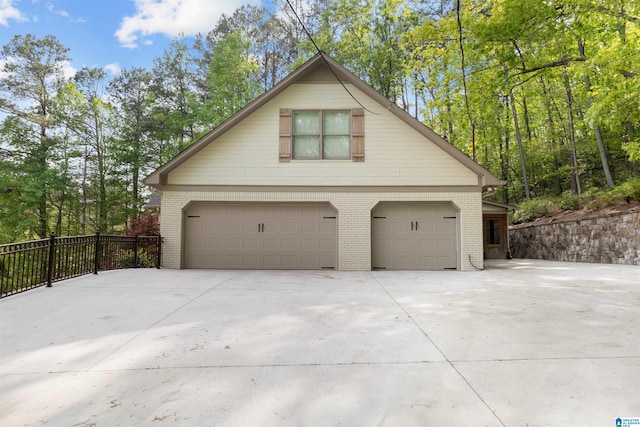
x=260, y=228
x=416, y=225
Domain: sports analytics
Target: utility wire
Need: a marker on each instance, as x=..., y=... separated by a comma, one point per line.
x=322, y=55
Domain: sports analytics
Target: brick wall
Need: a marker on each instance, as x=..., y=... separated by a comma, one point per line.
x=354, y=220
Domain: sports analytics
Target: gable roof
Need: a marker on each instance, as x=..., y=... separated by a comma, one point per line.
x=321, y=59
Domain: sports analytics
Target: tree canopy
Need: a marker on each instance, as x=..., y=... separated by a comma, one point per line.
x=543, y=93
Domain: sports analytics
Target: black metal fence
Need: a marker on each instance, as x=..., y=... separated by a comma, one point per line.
x=28, y=265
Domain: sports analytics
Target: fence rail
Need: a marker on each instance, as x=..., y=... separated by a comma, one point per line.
x=29, y=265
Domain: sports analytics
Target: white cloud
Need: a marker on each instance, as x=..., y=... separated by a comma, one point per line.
x=67, y=70
x=173, y=18
x=113, y=68
x=52, y=9
x=7, y=12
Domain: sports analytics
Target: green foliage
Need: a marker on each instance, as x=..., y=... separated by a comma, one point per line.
x=567, y=201
x=232, y=79
x=75, y=151
x=532, y=209
x=591, y=200
x=627, y=191
x=125, y=259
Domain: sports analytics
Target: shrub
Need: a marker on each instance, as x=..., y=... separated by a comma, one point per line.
x=144, y=224
x=127, y=258
x=532, y=209
x=630, y=190
x=568, y=201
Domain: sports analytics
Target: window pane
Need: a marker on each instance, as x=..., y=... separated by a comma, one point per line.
x=336, y=147
x=493, y=232
x=306, y=147
x=306, y=123
x=336, y=123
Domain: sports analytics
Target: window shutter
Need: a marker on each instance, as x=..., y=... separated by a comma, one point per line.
x=285, y=135
x=357, y=134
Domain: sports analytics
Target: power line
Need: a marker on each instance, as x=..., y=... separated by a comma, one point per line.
x=325, y=59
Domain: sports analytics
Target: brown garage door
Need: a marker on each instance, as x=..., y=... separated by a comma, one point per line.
x=260, y=236
x=414, y=236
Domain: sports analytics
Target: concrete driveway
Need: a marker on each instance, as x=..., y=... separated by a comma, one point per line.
x=523, y=343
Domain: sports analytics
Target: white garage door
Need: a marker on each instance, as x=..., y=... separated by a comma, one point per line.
x=260, y=236
x=414, y=236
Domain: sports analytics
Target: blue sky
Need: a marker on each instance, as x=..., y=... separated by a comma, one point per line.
x=113, y=34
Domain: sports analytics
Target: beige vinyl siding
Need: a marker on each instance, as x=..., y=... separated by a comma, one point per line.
x=395, y=154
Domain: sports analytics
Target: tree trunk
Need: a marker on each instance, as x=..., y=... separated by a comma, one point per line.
x=596, y=128
x=83, y=215
x=574, y=158
x=553, y=137
x=523, y=165
x=43, y=214
x=504, y=155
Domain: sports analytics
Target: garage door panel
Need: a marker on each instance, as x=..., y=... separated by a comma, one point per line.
x=213, y=243
x=402, y=244
x=326, y=245
x=328, y=227
x=288, y=244
x=427, y=262
x=414, y=235
x=249, y=243
x=234, y=227
x=308, y=227
x=425, y=244
x=287, y=227
x=400, y=227
x=306, y=244
x=401, y=262
x=273, y=244
x=233, y=243
x=291, y=261
x=254, y=236
x=444, y=244
x=446, y=260
x=426, y=227
x=232, y=260
x=447, y=227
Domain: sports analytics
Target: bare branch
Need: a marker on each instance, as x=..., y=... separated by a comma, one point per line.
x=559, y=63
x=622, y=14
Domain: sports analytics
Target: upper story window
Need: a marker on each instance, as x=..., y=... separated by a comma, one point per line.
x=321, y=135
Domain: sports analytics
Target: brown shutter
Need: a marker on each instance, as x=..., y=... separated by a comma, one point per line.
x=357, y=134
x=285, y=135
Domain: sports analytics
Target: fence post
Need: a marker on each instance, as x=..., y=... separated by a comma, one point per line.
x=96, y=255
x=159, y=252
x=52, y=258
x=135, y=252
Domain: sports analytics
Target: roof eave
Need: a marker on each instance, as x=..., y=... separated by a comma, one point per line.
x=487, y=179
x=158, y=178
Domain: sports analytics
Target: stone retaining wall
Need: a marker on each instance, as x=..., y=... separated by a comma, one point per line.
x=611, y=239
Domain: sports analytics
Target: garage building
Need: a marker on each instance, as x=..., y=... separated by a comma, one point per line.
x=322, y=172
